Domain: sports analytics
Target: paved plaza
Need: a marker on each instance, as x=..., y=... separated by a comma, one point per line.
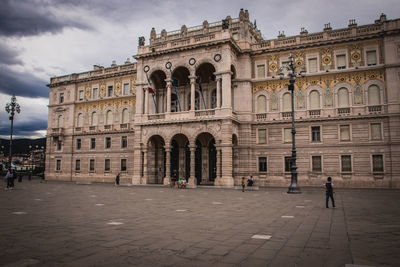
x=66, y=224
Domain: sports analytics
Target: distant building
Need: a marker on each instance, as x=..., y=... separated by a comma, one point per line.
x=220, y=112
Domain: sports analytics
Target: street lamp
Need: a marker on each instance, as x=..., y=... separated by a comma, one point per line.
x=291, y=73
x=11, y=108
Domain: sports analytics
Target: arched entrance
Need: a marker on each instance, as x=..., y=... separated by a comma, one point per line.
x=156, y=160
x=159, y=85
x=206, y=84
x=180, y=156
x=205, y=159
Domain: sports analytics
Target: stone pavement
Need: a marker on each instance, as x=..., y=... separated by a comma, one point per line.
x=65, y=224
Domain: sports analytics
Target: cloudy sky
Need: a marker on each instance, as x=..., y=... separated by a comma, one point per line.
x=44, y=38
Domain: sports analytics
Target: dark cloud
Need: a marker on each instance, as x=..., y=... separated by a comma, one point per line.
x=33, y=17
x=22, y=84
x=8, y=55
x=24, y=128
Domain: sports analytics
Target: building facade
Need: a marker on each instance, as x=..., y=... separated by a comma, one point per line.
x=217, y=110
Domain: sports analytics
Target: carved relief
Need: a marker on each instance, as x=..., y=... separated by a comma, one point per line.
x=273, y=65
x=117, y=90
x=299, y=60
x=355, y=55
x=358, y=95
x=88, y=91
x=300, y=99
x=102, y=92
x=274, y=101
x=326, y=58
x=133, y=85
x=328, y=97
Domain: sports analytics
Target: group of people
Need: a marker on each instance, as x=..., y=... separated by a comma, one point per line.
x=250, y=182
x=177, y=182
x=9, y=179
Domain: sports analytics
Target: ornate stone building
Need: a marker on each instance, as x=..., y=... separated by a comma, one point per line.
x=220, y=112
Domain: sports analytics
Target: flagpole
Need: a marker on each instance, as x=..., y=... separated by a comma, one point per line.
x=168, y=65
x=148, y=81
x=202, y=95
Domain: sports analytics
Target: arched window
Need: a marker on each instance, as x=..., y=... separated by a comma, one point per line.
x=343, y=97
x=287, y=102
x=79, y=121
x=125, y=115
x=314, y=100
x=374, y=97
x=109, y=118
x=261, y=104
x=60, y=121
x=93, y=119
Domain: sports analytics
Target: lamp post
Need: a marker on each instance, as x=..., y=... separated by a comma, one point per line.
x=11, y=108
x=291, y=73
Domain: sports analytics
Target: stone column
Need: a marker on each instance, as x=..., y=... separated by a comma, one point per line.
x=145, y=169
x=226, y=90
x=192, y=92
x=146, y=101
x=139, y=99
x=167, y=164
x=226, y=180
x=218, y=92
x=168, y=96
x=192, y=178
x=218, y=173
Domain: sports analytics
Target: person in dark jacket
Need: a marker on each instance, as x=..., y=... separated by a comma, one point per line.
x=117, y=179
x=329, y=192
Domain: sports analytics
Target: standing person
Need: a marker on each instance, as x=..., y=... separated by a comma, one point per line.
x=250, y=181
x=329, y=192
x=243, y=184
x=7, y=179
x=13, y=175
x=117, y=179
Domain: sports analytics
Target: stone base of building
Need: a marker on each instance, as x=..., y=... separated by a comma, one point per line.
x=224, y=182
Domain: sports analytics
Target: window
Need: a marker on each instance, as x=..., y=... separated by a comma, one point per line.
x=109, y=118
x=79, y=120
x=262, y=164
x=60, y=121
x=371, y=58
x=287, y=135
x=107, y=165
x=109, y=91
x=287, y=102
x=124, y=142
x=316, y=163
x=108, y=142
x=80, y=95
x=260, y=71
x=95, y=93
x=374, y=97
x=346, y=163
x=125, y=115
x=376, y=131
x=78, y=144
x=78, y=165
x=314, y=100
x=123, y=164
x=288, y=163
x=316, y=134
x=126, y=88
x=377, y=163
x=93, y=120
x=91, y=165
x=61, y=99
x=58, y=165
x=92, y=143
x=312, y=65
x=59, y=145
x=262, y=136
x=344, y=132
x=341, y=62
x=343, y=97
x=261, y=104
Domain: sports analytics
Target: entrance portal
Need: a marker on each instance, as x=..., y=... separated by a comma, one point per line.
x=206, y=159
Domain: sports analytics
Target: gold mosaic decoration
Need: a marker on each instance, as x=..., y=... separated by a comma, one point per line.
x=88, y=91
x=273, y=64
x=355, y=55
x=133, y=85
x=102, y=90
x=117, y=90
x=326, y=57
x=104, y=104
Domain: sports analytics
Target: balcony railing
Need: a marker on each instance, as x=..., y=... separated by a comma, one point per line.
x=92, y=128
x=375, y=108
x=57, y=131
x=156, y=117
x=124, y=125
x=78, y=129
x=261, y=116
x=199, y=113
x=108, y=127
x=343, y=111
x=286, y=115
x=315, y=112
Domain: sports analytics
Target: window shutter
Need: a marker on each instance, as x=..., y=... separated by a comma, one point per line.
x=345, y=133
x=125, y=115
x=260, y=71
x=314, y=100
x=343, y=97
x=287, y=102
x=262, y=136
x=376, y=133
x=371, y=58
x=312, y=64
x=374, y=97
x=261, y=104
x=341, y=61
x=287, y=135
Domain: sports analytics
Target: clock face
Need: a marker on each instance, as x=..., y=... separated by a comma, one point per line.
x=217, y=57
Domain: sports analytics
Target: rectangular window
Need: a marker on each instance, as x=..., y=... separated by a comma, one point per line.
x=107, y=165
x=78, y=144
x=316, y=134
x=287, y=135
x=92, y=143
x=59, y=145
x=341, y=61
x=377, y=163
x=262, y=164
x=58, y=165
x=312, y=65
x=110, y=91
x=126, y=88
x=376, y=132
x=61, y=98
x=288, y=163
x=371, y=58
x=95, y=93
x=316, y=164
x=108, y=142
x=78, y=165
x=91, y=165
x=123, y=165
x=346, y=163
x=344, y=132
x=124, y=142
x=260, y=71
x=262, y=136
x=80, y=95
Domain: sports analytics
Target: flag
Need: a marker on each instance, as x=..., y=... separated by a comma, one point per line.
x=149, y=88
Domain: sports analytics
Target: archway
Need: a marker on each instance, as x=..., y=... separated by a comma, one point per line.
x=205, y=159
x=159, y=86
x=205, y=84
x=180, y=156
x=156, y=160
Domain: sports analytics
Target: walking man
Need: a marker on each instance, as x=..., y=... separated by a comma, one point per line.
x=329, y=192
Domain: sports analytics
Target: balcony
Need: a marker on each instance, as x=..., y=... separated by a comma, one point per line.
x=78, y=129
x=343, y=111
x=92, y=128
x=375, y=109
x=314, y=113
x=57, y=131
x=108, y=127
x=286, y=115
x=201, y=113
x=156, y=117
x=261, y=116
